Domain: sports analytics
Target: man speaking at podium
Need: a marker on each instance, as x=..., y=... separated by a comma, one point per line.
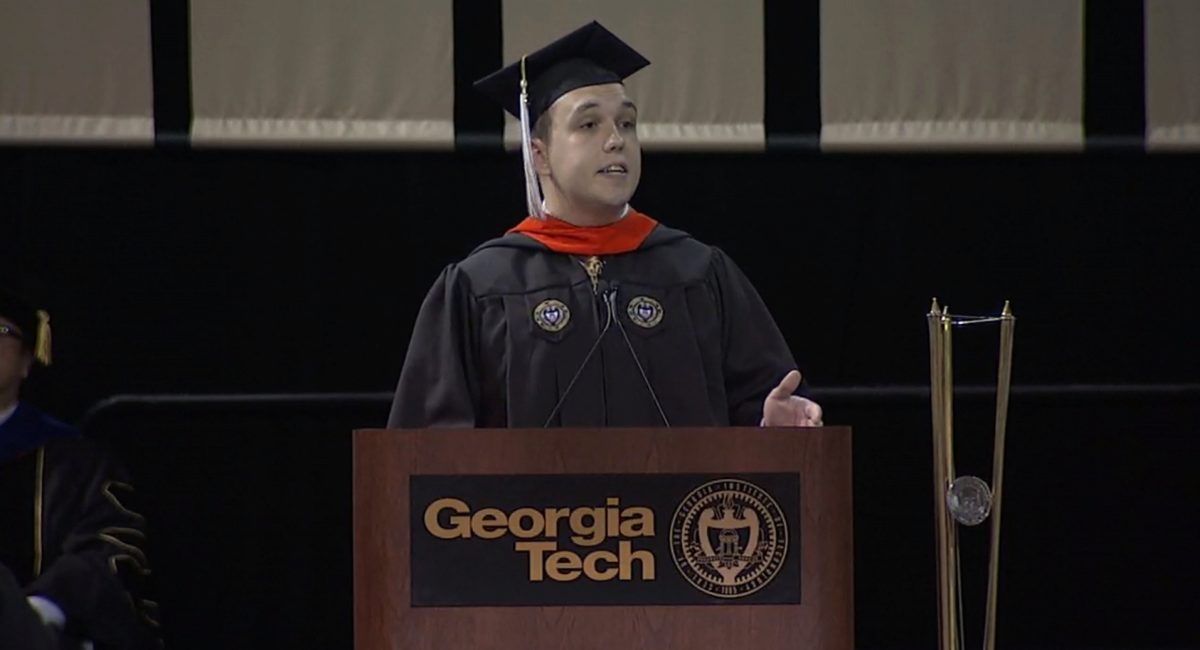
x=589, y=313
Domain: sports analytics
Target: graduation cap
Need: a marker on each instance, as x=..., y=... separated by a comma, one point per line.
x=588, y=56
x=34, y=324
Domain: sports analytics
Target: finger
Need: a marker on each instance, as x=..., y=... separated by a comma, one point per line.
x=795, y=412
x=814, y=412
x=784, y=390
x=798, y=412
x=785, y=412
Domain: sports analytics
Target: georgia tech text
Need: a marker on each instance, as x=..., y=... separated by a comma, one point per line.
x=451, y=518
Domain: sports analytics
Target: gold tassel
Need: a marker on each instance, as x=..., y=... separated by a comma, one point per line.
x=41, y=346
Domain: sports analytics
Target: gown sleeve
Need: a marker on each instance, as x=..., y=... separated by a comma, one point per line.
x=439, y=384
x=755, y=355
x=20, y=625
x=99, y=574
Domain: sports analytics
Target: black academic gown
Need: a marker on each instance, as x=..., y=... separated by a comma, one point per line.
x=479, y=358
x=69, y=533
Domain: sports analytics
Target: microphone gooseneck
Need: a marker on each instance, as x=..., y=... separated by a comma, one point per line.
x=588, y=357
x=611, y=299
x=610, y=303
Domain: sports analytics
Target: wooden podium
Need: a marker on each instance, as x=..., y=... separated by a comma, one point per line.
x=387, y=463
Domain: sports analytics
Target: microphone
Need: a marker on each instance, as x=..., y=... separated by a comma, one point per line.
x=588, y=357
x=611, y=299
x=610, y=303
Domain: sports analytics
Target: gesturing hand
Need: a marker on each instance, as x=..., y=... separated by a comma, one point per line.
x=783, y=409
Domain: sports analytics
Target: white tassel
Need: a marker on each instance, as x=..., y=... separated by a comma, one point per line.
x=533, y=190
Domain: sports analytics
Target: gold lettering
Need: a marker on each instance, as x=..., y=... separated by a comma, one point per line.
x=593, y=572
x=639, y=522
x=536, y=524
x=450, y=518
x=553, y=515
x=535, y=550
x=626, y=558
x=589, y=534
x=489, y=523
x=563, y=566
x=459, y=524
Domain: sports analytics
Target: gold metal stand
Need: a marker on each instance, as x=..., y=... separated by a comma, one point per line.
x=964, y=500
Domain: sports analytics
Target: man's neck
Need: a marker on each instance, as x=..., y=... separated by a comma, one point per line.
x=584, y=217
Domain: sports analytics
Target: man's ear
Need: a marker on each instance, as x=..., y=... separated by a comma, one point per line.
x=26, y=365
x=541, y=157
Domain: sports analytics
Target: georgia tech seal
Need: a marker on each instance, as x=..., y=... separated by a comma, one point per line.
x=645, y=311
x=729, y=538
x=551, y=315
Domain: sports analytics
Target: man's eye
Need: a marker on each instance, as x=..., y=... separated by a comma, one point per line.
x=628, y=124
x=588, y=125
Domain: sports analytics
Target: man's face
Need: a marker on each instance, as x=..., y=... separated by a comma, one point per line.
x=593, y=160
x=15, y=362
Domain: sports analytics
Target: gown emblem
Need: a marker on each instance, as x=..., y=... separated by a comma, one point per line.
x=645, y=311
x=551, y=315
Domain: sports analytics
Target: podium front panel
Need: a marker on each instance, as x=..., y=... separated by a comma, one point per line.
x=648, y=538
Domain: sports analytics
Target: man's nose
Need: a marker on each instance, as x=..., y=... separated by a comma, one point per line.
x=614, y=142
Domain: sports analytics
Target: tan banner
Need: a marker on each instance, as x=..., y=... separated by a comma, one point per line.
x=704, y=88
x=1172, y=74
x=75, y=71
x=341, y=73
x=951, y=73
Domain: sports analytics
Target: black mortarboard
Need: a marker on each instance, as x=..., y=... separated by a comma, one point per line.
x=588, y=56
x=33, y=323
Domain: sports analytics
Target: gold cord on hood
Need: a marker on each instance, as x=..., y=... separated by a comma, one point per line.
x=42, y=342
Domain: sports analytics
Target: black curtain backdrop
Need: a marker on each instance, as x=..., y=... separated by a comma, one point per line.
x=176, y=271
x=252, y=271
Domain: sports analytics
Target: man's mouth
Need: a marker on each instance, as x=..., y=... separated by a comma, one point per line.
x=614, y=169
